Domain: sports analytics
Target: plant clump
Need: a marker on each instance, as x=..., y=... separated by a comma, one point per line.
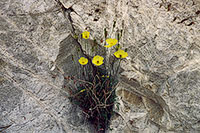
x=94, y=93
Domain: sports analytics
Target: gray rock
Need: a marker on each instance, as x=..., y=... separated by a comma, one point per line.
x=31, y=97
x=160, y=79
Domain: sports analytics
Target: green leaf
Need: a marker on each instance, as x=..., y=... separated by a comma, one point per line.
x=110, y=128
x=117, y=104
x=78, y=49
x=118, y=36
x=118, y=47
x=75, y=36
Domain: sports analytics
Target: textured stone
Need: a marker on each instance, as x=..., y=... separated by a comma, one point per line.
x=31, y=97
x=162, y=39
x=160, y=79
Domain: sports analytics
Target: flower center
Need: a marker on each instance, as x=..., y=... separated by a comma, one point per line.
x=85, y=36
x=97, y=62
x=120, y=56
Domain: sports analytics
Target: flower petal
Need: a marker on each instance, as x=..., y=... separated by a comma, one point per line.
x=121, y=54
x=83, y=61
x=108, y=46
x=111, y=41
x=86, y=34
x=97, y=60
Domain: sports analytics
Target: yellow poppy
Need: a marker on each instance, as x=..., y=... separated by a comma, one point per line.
x=97, y=60
x=111, y=42
x=121, y=54
x=83, y=61
x=86, y=34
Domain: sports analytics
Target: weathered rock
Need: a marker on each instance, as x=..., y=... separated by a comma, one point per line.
x=160, y=90
x=31, y=97
x=162, y=39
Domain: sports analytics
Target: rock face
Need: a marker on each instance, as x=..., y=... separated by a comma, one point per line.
x=160, y=80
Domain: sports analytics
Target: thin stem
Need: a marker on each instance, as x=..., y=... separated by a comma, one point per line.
x=84, y=81
x=117, y=71
x=84, y=72
x=112, y=67
x=110, y=93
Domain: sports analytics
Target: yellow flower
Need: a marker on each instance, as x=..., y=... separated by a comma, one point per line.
x=82, y=90
x=121, y=54
x=85, y=34
x=83, y=61
x=97, y=60
x=111, y=42
x=104, y=76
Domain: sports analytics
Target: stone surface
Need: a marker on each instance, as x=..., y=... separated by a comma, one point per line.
x=160, y=79
x=31, y=96
x=162, y=38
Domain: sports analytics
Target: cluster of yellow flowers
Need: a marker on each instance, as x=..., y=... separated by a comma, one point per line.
x=98, y=60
